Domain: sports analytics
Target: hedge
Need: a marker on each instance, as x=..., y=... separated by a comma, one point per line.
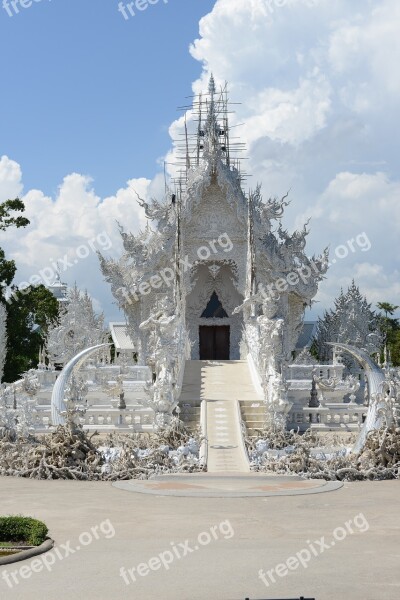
x=22, y=529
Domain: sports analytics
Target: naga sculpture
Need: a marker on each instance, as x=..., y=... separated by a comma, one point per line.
x=380, y=408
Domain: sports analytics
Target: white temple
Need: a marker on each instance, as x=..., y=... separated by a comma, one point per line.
x=214, y=293
x=209, y=279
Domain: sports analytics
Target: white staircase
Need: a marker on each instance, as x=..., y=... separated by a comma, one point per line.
x=220, y=386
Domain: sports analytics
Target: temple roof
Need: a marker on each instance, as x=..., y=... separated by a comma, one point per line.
x=59, y=289
x=121, y=338
x=307, y=335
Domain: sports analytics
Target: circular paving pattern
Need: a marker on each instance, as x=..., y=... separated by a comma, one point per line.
x=229, y=485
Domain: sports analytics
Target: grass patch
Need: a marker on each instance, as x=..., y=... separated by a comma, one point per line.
x=6, y=544
x=22, y=531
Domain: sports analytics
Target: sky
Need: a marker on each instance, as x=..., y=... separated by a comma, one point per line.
x=89, y=106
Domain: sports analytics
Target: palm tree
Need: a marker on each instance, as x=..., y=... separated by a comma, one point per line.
x=388, y=325
x=387, y=308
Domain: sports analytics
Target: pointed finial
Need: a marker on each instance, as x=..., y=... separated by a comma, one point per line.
x=211, y=85
x=313, y=402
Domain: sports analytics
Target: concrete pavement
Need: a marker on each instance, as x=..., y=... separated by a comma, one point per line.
x=234, y=537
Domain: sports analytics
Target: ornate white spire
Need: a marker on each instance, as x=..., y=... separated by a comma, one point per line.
x=58, y=288
x=79, y=328
x=352, y=321
x=212, y=145
x=211, y=87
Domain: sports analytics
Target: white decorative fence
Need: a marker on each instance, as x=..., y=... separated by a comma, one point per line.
x=103, y=418
x=338, y=416
x=101, y=402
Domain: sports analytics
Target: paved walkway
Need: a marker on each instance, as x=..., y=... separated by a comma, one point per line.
x=224, y=383
x=222, y=543
x=228, y=485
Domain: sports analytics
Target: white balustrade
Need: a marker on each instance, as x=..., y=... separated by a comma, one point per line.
x=337, y=416
x=102, y=418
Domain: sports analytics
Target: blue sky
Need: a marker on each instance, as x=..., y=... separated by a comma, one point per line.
x=88, y=102
x=85, y=90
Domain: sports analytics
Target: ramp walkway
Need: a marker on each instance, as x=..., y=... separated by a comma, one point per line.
x=220, y=386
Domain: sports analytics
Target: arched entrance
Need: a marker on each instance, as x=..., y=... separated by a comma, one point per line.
x=215, y=332
x=214, y=340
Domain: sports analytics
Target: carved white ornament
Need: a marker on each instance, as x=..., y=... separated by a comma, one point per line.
x=79, y=328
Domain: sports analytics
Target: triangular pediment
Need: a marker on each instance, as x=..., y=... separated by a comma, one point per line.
x=214, y=309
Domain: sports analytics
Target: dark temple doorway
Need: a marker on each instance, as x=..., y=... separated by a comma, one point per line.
x=214, y=342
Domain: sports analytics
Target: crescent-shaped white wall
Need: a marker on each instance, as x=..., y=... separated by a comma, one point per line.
x=376, y=378
x=57, y=398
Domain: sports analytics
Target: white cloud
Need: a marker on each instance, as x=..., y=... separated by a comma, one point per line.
x=365, y=49
x=10, y=179
x=353, y=210
x=319, y=84
x=69, y=229
x=289, y=115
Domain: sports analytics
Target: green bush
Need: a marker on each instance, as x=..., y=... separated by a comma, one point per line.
x=22, y=529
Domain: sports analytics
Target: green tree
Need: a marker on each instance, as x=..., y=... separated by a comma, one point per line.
x=9, y=217
x=29, y=312
x=387, y=308
x=7, y=273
